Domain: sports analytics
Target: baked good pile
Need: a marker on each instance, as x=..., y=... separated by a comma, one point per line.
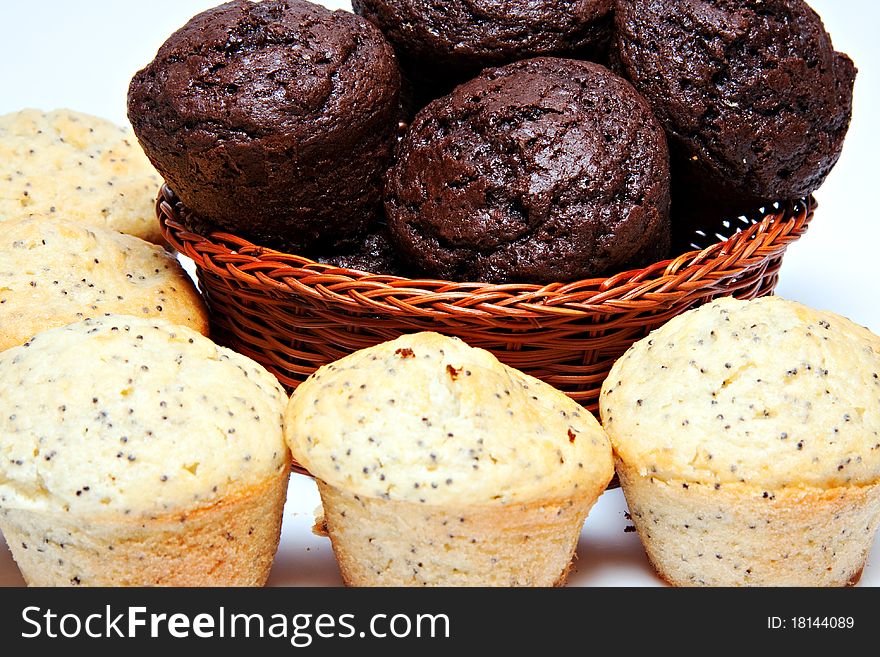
x=525, y=143
x=530, y=142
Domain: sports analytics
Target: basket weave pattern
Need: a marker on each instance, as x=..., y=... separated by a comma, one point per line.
x=293, y=315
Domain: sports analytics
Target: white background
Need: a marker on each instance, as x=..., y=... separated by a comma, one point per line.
x=82, y=54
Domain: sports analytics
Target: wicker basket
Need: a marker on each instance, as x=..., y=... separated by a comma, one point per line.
x=293, y=315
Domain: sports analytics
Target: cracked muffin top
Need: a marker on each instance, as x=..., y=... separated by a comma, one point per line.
x=755, y=100
x=449, y=41
x=542, y=170
x=273, y=119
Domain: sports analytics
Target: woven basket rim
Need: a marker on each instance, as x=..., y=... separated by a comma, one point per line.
x=659, y=284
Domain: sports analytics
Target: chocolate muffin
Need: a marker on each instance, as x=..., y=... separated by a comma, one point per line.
x=442, y=43
x=375, y=254
x=542, y=170
x=272, y=120
x=753, y=97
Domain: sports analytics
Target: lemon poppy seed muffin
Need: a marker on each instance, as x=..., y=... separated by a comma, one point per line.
x=79, y=167
x=747, y=438
x=167, y=468
x=438, y=465
x=55, y=272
